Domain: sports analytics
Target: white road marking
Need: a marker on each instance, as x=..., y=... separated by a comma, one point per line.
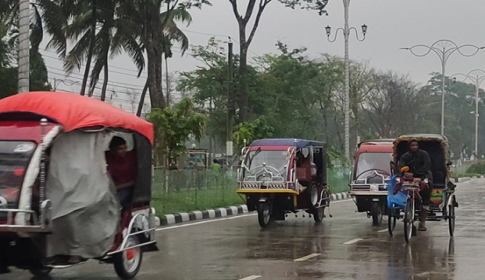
x=307, y=257
x=228, y=218
x=383, y=230
x=353, y=241
x=252, y=277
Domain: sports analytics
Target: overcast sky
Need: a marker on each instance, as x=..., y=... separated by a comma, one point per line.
x=392, y=24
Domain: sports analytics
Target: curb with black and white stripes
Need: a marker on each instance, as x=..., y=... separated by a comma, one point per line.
x=171, y=219
x=340, y=196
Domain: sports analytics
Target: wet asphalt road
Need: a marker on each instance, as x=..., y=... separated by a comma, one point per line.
x=237, y=248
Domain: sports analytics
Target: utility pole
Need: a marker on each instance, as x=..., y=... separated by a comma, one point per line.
x=230, y=101
x=24, y=47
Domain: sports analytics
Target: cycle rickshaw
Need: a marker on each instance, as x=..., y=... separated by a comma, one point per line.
x=403, y=193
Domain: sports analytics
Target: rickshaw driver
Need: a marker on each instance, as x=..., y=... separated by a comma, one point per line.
x=419, y=163
x=122, y=169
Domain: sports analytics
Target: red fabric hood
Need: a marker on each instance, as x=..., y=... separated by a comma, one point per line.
x=74, y=111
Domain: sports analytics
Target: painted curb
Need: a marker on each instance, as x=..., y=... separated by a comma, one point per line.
x=339, y=196
x=170, y=219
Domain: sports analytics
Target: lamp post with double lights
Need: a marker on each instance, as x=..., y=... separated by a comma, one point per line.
x=477, y=76
x=444, y=49
x=346, y=32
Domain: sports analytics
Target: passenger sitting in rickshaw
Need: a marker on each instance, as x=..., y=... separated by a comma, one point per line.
x=306, y=168
x=419, y=163
x=122, y=168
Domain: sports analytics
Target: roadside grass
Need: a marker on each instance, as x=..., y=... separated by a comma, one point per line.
x=189, y=200
x=185, y=191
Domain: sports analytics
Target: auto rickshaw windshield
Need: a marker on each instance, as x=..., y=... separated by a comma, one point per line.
x=276, y=159
x=14, y=158
x=373, y=161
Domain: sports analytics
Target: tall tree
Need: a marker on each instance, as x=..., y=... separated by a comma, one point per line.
x=157, y=18
x=245, y=39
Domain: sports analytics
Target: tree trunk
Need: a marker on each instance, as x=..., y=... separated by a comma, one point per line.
x=105, y=82
x=142, y=100
x=243, y=99
x=91, y=49
x=167, y=82
x=153, y=43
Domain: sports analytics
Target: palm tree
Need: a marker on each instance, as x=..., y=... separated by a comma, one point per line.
x=47, y=19
x=82, y=29
x=171, y=34
x=157, y=30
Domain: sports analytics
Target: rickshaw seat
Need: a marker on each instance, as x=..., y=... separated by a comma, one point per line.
x=304, y=174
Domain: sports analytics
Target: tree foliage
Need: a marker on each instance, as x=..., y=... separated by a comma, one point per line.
x=246, y=36
x=294, y=95
x=174, y=126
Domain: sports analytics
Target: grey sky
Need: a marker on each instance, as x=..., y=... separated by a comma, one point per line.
x=392, y=24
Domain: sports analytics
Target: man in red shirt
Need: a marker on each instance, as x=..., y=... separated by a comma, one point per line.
x=122, y=167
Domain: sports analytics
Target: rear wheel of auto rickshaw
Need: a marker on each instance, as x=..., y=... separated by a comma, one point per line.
x=391, y=220
x=314, y=196
x=451, y=219
x=128, y=263
x=376, y=213
x=318, y=214
x=264, y=214
x=408, y=220
x=40, y=271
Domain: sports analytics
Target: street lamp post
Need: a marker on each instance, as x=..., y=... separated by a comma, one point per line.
x=477, y=76
x=444, y=49
x=346, y=32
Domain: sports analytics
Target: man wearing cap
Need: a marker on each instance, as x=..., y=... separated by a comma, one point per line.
x=419, y=163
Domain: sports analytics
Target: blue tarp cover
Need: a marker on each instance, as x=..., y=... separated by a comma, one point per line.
x=398, y=199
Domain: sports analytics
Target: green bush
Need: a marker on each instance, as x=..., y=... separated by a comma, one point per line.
x=477, y=168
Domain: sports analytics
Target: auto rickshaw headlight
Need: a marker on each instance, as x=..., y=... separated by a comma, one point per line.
x=374, y=188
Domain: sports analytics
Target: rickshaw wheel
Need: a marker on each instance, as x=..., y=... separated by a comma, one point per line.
x=128, y=263
x=40, y=272
x=376, y=214
x=408, y=220
x=451, y=219
x=264, y=214
x=318, y=214
x=314, y=196
x=391, y=220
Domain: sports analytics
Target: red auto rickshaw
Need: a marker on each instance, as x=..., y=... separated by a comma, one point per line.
x=56, y=197
x=282, y=176
x=372, y=171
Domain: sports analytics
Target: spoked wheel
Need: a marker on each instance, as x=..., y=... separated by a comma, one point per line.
x=391, y=220
x=451, y=219
x=40, y=271
x=376, y=213
x=128, y=263
x=264, y=214
x=318, y=214
x=408, y=220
